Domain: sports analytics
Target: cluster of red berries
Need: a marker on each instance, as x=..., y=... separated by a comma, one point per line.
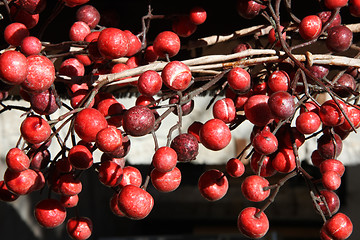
x=280, y=102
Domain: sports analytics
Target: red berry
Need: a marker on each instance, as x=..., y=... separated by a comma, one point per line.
x=183, y=26
x=176, y=76
x=131, y=175
x=310, y=27
x=239, y=80
x=138, y=121
x=14, y=33
x=41, y=74
x=331, y=180
x=197, y=15
x=329, y=145
x=248, y=8
x=74, y=3
x=35, y=129
x=135, y=202
x=265, y=142
x=251, y=225
x=235, y=168
x=166, y=181
x=253, y=188
x=13, y=67
x=339, y=226
x=257, y=110
x=332, y=201
x=49, y=213
x=69, y=201
x=21, y=183
x=78, y=31
x=80, y=157
x=281, y=104
x=134, y=43
x=278, y=81
x=284, y=161
x=31, y=46
x=215, y=134
x=194, y=129
x=110, y=173
x=88, y=14
x=69, y=185
x=308, y=122
x=17, y=160
x=354, y=8
x=164, y=159
x=88, y=122
x=166, y=42
x=33, y=6
x=267, y=170
x=331, y=114
x=332, y=4
x=272, y=37
x=44, y=103
x=332, y=165
x=149, y=83
x=213, y=185
x=109, y=139
x=224, y=109
x=113, y=43
x=79, y=228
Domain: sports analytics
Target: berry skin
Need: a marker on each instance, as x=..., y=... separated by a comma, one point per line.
x=31, y=46
x=149, y=83
x=5, y=194
x=278, y=81
x=80, y=157
x=331, y=180
x=79, y=228
x=135, y=202
x=69, y=185
x=248, y=9
x=110, y=173
x=281, y=104
x=176, y=76
x=109, y=139
x=34, y=129
x=44, y=103
x=252, y=226
x=308, y=122
x=166, y=42
x=186, y=147
x=88, y=14
x=41, y=74
x=257, y=110
x=331, y=114
x=235, y=168
x=134, y=43
x=215, y=134
x=183, y=26
x=197, y=15
x=213, y=185
x=166, y=181
x=50, y=213
x=13, y=67
x=17, y=160
x=339, y=38
x=113, y=43
x=88, y=122
x=253, y=188
x=310, y=27
x=332, y=165
x=21, y=183
x=333, y=4
x=138, y=121
x=265, y=142
x=14, y=33
x=194, y=129
x=224, y=109
x=164, y=159
x=78, y=31
x=272, y=36
x=69, y=201
x=338, y=227
x=284, y=160
x=332, y=200
x=131, y=175
x=239, y=80
x=74, y=3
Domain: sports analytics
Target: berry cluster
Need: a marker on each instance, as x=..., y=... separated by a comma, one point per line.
x=266, y=84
